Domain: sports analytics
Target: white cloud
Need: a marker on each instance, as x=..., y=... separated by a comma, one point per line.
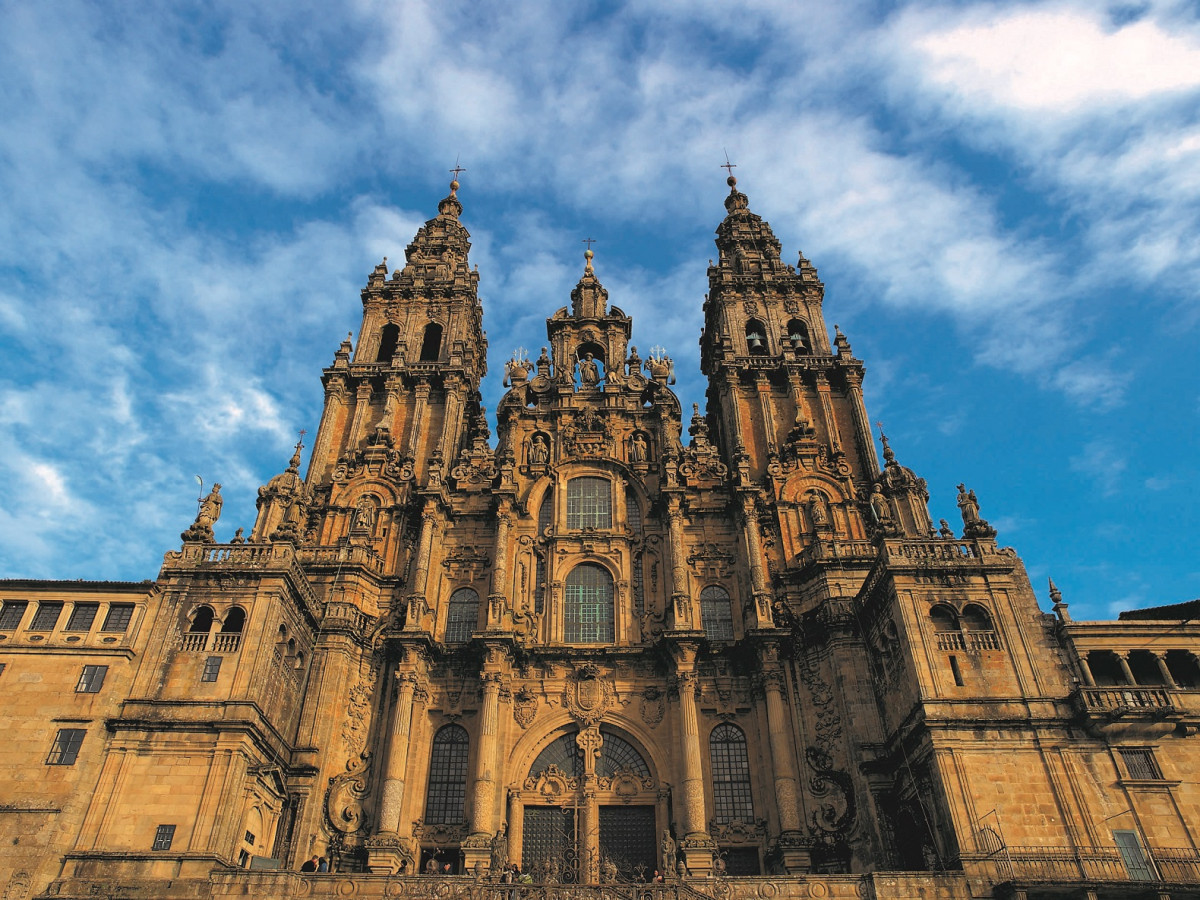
x=1103, y=463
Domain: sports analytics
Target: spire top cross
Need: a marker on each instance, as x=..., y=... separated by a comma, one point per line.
x=589, y=241
x=728, y=166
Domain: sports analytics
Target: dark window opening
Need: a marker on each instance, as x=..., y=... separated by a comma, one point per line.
x=1105, y=668
x=163, y=836
x=798, y=336
x=46, y=616
x=1141, y=765
x=447, y=793
x=431, y=343
x=202, y=621
x=11, y=614
x=546, y=514
x=235, y=621
x=756, y=337
x=388, y=339
x=589, y=503
x=732, y=799
x=118, y=617
x=82, y=616
x=1184, y=668
x=589, y=605
x=212, y=669
x=66, y=747
x=716, y=614
x=462, y=616
x=1145, y=668
x=91, y=680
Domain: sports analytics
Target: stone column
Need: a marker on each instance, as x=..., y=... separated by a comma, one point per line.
x=862, y=428
x=1168, y=680
x=1085, y=671
x=763, y=386
x=754, y=556
x=1125, y=670
x=796, y=858
x=420, y=402
x=453, y=419
x=391, y=395
x=498, y=598
x=680, y=596
x=477, y=847
x=335, y=400
x=384, y=854
x=516, y=826
x=362, y=403
x=696, y=846
x=417, y=604
x=835, y=439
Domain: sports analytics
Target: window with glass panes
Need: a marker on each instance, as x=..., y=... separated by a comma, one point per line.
x=716, y=614
x=91, y=679
x=589, y=503
x=66, y=747
x=163, y=836
x=732, y=800
x=462, y=616
x=46, y=616
x=588, y=602
x=82, y=616
x=447, y=791
x=118, y=617
x=11, y=613
x=1141, y=765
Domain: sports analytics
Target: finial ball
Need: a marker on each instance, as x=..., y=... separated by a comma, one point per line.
x=588, y=254
x=454, y=185
x=731, y=181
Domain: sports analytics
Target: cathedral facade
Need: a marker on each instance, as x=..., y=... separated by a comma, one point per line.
x=742, y=661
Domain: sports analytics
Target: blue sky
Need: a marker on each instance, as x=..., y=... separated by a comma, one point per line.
x=1003, y=200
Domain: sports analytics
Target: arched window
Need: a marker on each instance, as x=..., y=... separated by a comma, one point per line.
x=388, y=339
x=732, y=800
x=944, y=619
x=462, y=616
x=589, y=503
x=798, y=336
x=444, y=799
x=431, y=344
x=716, y=613
x=589, y=605
x=202, y=620
x=616, y=754
x=546, y=514
x=976, y=618
x=756, y=337
x=563, y=753
x=235, y=621
x=633, y=512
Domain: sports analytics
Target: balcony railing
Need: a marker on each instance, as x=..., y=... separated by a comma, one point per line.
x=1125, y=699
x=226, y=643
x=195, y=641
x=970, y=640
x=1067, y=864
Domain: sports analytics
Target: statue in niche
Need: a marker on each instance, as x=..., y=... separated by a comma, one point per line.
x=816, y=509
x=364, y=515
x=539, y=451
x=638, y=448
x=589, y=372
x=881, y=512
x=668, y=851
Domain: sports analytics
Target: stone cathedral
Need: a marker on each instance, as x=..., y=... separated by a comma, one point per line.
x=632, y=662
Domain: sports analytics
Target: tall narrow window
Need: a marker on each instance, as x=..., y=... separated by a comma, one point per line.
x=638, y=585
x=82, y=616
x=446, y=796
x=431, y=344
x=10, y=615
x=716, y=613
x=91, y=680
x=1141, y=765
x=539, y=584
x=732, y=800
x=46, y=616
x=633, y=512
x=589, y=503
x=546, y=514
x=212, y=668
x=163, y=836
x=388, y=339
x=462, y=616
x=589, y=605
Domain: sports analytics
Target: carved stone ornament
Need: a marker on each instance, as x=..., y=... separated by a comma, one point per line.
x=354, y=728
x=524, y=707
x=587, y=697
x=552, y=782
x=653, y=706
x=343, y=800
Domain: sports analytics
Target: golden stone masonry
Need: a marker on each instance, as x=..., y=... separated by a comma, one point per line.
x=744, y=666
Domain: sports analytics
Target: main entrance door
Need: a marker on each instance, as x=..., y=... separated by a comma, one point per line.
x=548, y=850
x=627, y=839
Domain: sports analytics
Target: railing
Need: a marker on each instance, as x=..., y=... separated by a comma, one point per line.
x=951, y=640
x=836, y=550
x=347, y=615
x=1125, y=699
x=226, y=643
x=343, y=555
x=941, y=550
x=195, y=640
x=1066, y=864
x=983, y=640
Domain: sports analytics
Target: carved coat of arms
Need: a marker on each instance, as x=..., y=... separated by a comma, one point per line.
x=587, y=696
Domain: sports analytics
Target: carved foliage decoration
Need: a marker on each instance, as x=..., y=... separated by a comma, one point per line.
x=354, y=728
x=524, y=707
x=653, y=705
x=834, y=791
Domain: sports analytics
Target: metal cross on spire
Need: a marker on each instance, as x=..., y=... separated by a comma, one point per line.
x=728, y=166
x=457, y=169
x=589, y=241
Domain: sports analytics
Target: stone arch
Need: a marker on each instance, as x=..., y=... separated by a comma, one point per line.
x=389, y=339
x=527, y=749
x=234, y=620
x=431, y=342
x=201, y=619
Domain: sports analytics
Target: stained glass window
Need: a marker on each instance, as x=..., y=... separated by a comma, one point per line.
x=732, y=799
x=716, y=614
x=616, y=753
x=589, y=503
x=447, y=791
x=462, y=617
x=562, y=752
x=589, y=605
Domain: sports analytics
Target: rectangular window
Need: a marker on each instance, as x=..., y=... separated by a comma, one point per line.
x=212, y=668
x=163, y=836
x=1130, y=848
x=82, y=616
x=91, y=680
x=1141, y=765
x=118, y=617
x=11, y=614
x=66, y=747
x=589, y=503
x=46, y=616
x=250, y=838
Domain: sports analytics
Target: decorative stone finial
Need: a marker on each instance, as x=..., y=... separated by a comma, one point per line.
x=1060, y=608
x=888, y=456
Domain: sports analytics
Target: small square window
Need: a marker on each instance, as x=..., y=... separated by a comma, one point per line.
x=46, y=616
x=250, y=838
x=82, y=616
x=66, y=747
x=1141, y=765
x=118, y=617
x=91, y=680
x=11, y=614
x=163, y=836
x=212, y=668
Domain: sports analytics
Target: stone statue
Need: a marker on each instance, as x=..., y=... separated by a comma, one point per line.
x=364, y=515
x=539, y=451
x=499, y=851
x=210, y=511
x=668, y=851
x=638, y=448
x=635, y=361
x=239, y=536
x=880, y=510
x=516, y=371
x=945, y=531
x=816, y=507
x=589, y=372
x=968, y=505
